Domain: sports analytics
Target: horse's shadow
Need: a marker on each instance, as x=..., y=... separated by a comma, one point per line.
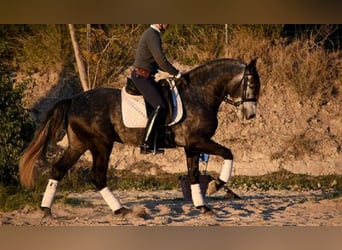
x=173, y=204
x=179, y=210
x=267, y=206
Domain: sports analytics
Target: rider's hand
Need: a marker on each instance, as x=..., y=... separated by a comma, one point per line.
x=178, y=75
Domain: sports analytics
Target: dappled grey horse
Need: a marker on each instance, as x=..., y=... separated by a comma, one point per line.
x=93, y=121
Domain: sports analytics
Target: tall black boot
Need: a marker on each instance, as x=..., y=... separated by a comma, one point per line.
x=155, y=121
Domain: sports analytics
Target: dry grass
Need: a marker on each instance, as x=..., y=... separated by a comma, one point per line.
x=302, y=65
x=305, y=67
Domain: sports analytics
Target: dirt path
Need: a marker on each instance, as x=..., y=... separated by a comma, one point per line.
x=256, y=208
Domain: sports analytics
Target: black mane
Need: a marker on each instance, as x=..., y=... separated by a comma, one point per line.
x=215, y=63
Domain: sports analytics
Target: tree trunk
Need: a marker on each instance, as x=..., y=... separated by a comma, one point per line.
x=79, y=60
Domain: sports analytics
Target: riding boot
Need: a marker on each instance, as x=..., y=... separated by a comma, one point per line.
x=155, y=121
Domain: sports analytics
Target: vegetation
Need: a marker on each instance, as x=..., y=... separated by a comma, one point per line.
x=109, y=49
x=307, y=55
x=16, y=128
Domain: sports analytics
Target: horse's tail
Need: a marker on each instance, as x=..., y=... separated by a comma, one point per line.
x=46, y=134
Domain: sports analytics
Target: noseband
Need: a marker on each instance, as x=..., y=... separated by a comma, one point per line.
x=246, y=82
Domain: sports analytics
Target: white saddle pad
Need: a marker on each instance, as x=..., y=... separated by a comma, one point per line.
x=134, y=112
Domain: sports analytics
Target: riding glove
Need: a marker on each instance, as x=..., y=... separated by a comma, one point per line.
x=178, y=75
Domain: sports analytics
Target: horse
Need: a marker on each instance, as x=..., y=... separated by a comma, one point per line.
x=93, y=121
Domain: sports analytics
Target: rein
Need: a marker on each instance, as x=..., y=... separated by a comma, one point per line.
x=245, y=82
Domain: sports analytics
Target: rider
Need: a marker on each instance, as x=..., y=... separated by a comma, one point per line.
x=148, y=60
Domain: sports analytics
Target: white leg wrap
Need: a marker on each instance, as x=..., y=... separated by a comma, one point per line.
x=197, y=197
x=50, y=193
x=110, y=199
x=226, y=170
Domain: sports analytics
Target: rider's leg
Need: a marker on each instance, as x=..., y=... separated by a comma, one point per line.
x=147, y=88
x=155, y=121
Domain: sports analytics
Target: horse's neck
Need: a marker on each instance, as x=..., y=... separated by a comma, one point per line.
x=213, y=82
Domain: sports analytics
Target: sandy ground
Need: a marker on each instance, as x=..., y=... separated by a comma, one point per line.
x=168, y=208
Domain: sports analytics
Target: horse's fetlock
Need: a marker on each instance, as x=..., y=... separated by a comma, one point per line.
x=123, y=211
x=205, y=210
x=46, y=211
x=219, y=184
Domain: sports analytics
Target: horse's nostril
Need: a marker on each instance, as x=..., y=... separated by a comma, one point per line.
x=251, y=116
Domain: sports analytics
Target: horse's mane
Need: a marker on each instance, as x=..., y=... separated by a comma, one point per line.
x=215, y=62
x=204, y=68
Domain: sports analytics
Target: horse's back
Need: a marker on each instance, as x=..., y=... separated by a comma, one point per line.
x=94, y=109
x=97, y=113
x=96, y=101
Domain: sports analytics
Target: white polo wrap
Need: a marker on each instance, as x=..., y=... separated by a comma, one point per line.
x=226, y=170
x=197, y=197
x=50, y=193
x=110, y=199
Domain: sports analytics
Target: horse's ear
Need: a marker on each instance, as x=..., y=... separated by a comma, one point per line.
x=252, y=65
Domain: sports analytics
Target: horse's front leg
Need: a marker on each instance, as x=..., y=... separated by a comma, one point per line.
x=211, y=147
x=225, y=174
x=192, y=160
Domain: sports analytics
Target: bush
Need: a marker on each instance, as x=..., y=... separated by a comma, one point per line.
x=46, y=48
x=16, y=128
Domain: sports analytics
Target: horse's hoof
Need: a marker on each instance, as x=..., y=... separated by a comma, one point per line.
x=214, y=186
x=205, y=210
x=122, y=211
x=46, y=211
x=231, y=195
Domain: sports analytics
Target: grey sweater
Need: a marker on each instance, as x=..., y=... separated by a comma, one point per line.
x=150, y=55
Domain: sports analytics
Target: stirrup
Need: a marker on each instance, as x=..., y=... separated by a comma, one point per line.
x=147, y=149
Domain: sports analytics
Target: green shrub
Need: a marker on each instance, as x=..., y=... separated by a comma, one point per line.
x=46, y=48
x=14, y=198
x=16, y=128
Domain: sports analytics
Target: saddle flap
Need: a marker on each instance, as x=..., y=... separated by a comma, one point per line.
x=134, y=112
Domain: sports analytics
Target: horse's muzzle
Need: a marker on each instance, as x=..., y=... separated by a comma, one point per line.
x=249, y=117
x=247, y=111
x=250, y=110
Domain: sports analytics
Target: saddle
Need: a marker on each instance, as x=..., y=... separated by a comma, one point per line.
x=132, y=97
x=135, y=111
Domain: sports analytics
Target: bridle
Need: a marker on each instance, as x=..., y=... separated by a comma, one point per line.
x=245, y=80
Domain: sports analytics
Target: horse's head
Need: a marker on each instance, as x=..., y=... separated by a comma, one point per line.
x=246, y=93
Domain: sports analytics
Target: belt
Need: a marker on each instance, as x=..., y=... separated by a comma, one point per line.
x=142, y=72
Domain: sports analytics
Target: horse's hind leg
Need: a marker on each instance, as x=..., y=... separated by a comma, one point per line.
x=101, y=153
x=59, y=169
